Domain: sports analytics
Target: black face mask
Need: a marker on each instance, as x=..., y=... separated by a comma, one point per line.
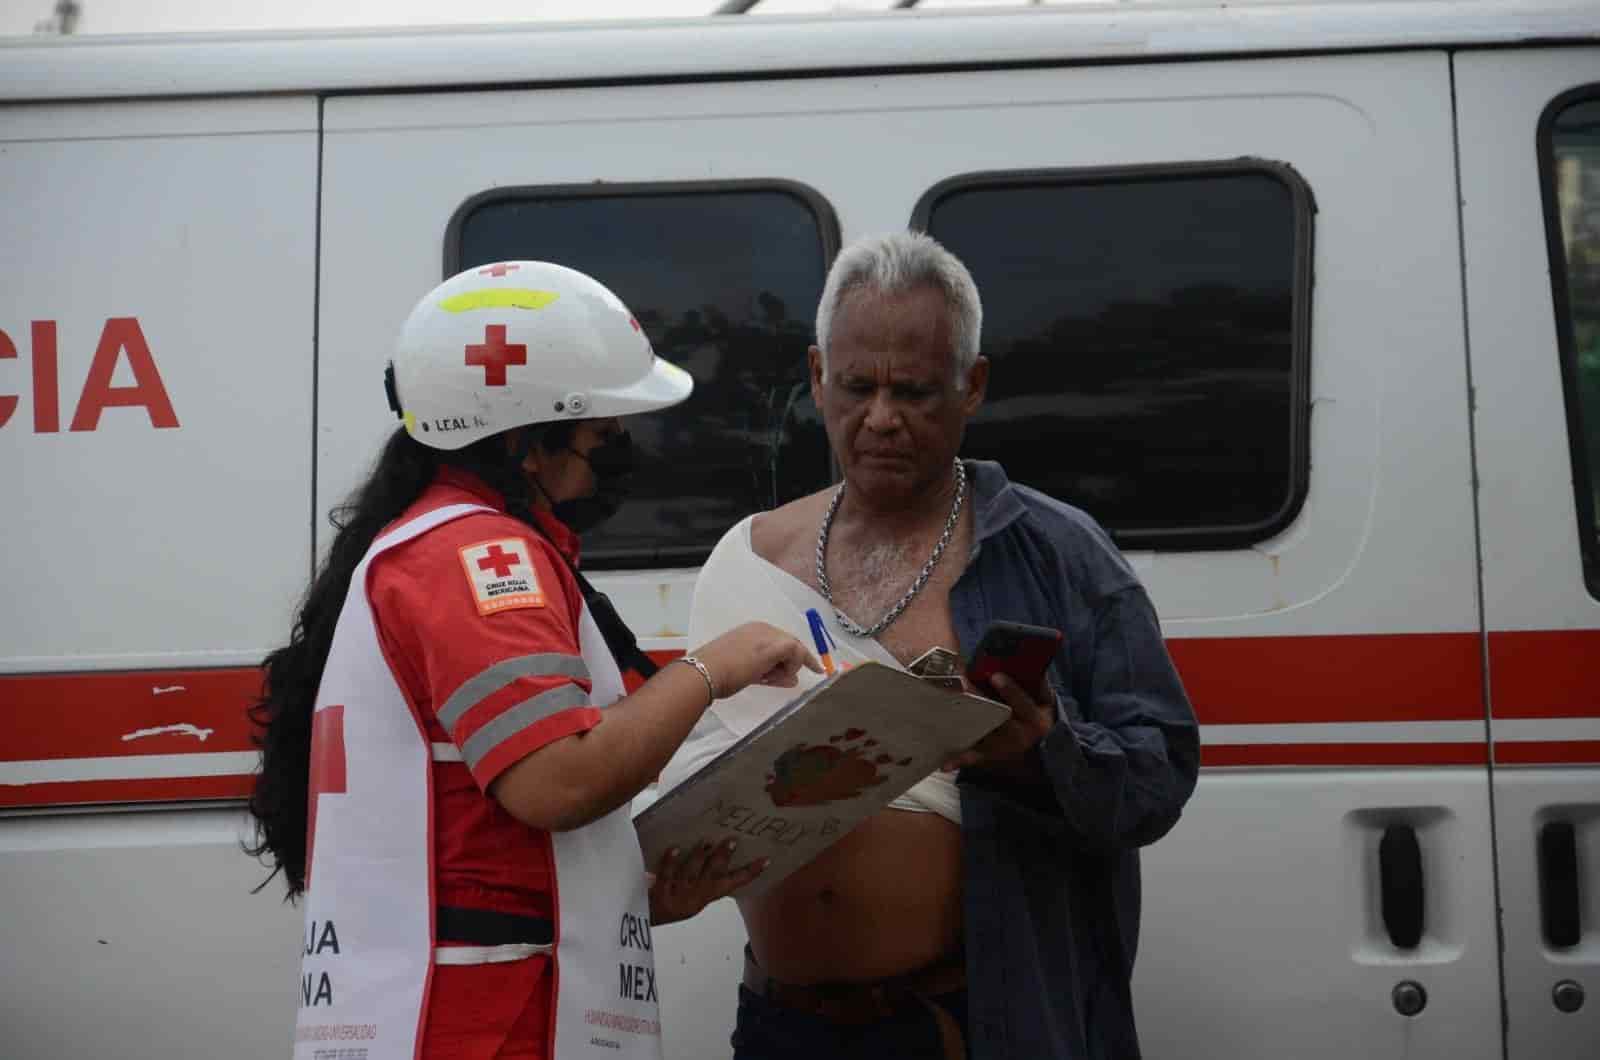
x=612, y=462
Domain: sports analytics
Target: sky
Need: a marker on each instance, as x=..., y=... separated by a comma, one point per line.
x=20, y=17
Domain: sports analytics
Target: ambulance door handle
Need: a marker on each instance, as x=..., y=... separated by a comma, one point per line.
x=1558, y=884
x=1400, y=885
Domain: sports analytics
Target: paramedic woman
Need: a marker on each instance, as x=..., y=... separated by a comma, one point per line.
x=448, y=753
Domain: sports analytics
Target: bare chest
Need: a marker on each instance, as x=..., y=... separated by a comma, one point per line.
x=869, y=576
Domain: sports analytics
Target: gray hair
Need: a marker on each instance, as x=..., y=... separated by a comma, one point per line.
x=894, y=264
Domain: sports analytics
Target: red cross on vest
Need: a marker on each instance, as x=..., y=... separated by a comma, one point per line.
x=499, y=269
x=327, y=769
x=494, y=353
x=501, y=561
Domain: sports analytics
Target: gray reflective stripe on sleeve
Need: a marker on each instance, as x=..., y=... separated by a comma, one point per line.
x=511, y=951
x=481, y=686
x=519, y=717
x=445, y=752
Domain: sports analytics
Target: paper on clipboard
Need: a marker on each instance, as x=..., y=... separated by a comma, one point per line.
x=801, y=780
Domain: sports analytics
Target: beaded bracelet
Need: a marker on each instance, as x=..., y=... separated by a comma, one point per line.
x=711, y=686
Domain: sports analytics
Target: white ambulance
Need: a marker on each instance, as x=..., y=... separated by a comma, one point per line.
x=1301, y=301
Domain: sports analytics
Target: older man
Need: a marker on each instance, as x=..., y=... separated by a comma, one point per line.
x=992, y=912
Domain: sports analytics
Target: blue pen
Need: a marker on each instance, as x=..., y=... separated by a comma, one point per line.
x=819, y=637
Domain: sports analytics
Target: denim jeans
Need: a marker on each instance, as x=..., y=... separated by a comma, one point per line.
x=766, y=1031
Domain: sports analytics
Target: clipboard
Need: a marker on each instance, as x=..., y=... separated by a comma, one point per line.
x=824, y=762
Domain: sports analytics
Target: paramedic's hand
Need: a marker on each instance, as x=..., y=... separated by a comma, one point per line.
x=685, y=885
x=755, y=653
x=1006, y=749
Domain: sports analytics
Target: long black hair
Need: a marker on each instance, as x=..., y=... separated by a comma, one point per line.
x=282, y=717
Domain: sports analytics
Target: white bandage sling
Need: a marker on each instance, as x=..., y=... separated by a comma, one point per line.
x=737, y=586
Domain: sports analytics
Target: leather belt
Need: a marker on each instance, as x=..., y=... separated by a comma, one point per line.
x=483, y=927
x=856, y=1003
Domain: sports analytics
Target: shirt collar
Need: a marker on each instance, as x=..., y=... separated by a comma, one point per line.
x=552, y=528
x=996, y=502
x=466, y=481
x=559, y=533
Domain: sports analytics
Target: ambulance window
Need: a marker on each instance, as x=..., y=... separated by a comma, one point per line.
x=1570, y=149
x=1148, y=330
x=725, y=279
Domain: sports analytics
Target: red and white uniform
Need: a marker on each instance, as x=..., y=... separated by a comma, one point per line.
x=464, y=646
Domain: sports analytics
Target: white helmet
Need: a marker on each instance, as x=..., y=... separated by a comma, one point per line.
x=521, y=342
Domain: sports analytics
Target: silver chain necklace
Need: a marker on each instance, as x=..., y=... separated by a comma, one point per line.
x=916, y=586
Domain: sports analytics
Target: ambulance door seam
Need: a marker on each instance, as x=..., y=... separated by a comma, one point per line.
x=1477, y=546
x=316, y=330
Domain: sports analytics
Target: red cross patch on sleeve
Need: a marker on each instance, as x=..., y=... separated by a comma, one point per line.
x=501, y=575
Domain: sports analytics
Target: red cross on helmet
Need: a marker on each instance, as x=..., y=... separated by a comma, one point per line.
x=521, y=342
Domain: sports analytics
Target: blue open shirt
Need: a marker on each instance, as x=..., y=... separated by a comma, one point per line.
x=1051, y=871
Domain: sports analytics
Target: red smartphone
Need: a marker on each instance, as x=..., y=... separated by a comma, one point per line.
x=1020, y=651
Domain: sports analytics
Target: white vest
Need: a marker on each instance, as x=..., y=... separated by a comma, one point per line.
x=369, y=901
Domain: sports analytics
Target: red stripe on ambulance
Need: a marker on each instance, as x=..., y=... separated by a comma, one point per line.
x=1345, y=754
x=1276, y=680
x=137, y=712
x=1360, y=679
x=155, y=789
x=1547, y=752
x=1545, y=673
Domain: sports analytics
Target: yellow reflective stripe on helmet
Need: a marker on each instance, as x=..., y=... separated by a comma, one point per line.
x=675, y=373
x=498, y=298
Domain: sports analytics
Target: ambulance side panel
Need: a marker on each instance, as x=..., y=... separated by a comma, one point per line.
x=1335, y=662
x=155, y=410
x=1530, y=188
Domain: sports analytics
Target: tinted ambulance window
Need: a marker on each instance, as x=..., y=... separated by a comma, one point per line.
x=725, y=280
x=1147, y=329
x=1571, y=141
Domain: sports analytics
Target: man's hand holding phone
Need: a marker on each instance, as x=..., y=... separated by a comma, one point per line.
x=1011, y=665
